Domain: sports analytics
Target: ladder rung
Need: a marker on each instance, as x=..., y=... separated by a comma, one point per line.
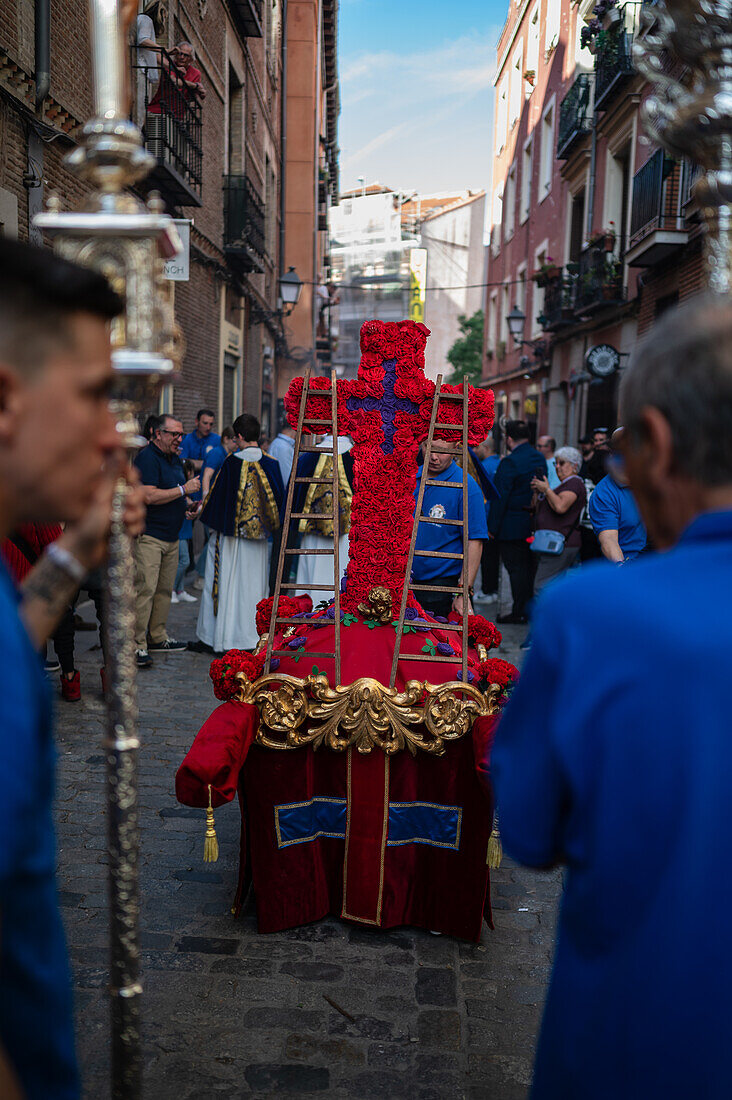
x=456, y=659
x=437, y=554
x=457, y=427
x=446, y=450
x=434, y=519
x=315, y=449
x=445, y=484
x=317, y=392
x=289, y=653
x=309, y=552
x=311, y=515
x=316, y=480
x=310, y=587
x=450, y=396
x=317, y=420
x=436, y=587
x=443, y=626
x=294, y=621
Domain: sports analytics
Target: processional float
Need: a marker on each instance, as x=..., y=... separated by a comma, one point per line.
x=127, y=242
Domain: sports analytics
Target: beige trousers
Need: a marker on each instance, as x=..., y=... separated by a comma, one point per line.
x=156, y=563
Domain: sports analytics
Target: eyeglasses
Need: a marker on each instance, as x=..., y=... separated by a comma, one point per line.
x=166, y=431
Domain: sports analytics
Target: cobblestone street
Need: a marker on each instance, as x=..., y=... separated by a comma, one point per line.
x=228, y=1012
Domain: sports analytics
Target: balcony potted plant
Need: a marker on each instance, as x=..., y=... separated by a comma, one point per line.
x=611, y=280
x=546, y=272
x=603, y=240
x=501, y=350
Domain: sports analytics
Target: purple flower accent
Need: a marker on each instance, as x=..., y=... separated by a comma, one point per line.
x=444, y=649
x=471, y=675
x=422, y=629
x=439, y=618
x=330, y=613
x=343, y=584
x=274, y=663
x=411, y=613
x=387, y=407
x=297, y=643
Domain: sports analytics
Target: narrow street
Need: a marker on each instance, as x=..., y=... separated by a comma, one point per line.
x=228, y=1012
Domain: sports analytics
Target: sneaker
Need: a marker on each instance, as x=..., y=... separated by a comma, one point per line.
x=144, y=660
x=199, y=647
x=186, y=597
x=168, y=646
x=52, y=664
x=71, y=689
x=174, y=597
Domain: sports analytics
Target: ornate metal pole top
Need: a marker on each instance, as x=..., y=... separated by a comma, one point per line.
x=690, y=113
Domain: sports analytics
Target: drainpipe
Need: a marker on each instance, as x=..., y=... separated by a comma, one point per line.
x=283, y=181
x=43, y=50
x=593, y=173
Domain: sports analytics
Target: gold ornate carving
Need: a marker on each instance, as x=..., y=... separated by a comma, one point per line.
x=364, y=715
x=378, y=606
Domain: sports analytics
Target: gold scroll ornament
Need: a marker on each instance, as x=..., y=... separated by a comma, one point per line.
x=364, y=715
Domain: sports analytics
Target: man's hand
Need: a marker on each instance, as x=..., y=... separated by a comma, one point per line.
x=457, y=605
x=192, y=486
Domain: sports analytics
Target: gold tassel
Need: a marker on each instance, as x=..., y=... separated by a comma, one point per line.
x=211, y=847
x=495, y=848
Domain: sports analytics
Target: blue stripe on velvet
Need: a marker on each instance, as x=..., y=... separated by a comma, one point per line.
x=301, y=822
x=424, y=823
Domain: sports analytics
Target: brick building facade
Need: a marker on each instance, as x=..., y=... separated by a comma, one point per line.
x=594, y=231
x=218, y=165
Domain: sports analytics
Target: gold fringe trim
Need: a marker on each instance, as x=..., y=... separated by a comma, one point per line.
x=495, y=848
x=211, y=846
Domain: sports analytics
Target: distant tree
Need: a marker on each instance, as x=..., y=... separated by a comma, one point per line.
x=466, y=354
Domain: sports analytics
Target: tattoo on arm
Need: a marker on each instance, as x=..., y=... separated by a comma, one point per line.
x=46, y=594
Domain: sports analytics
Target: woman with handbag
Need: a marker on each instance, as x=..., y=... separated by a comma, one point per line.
x=557, y=517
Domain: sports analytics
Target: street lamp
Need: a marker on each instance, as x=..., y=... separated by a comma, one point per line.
x=290, y=290
x=516, y=322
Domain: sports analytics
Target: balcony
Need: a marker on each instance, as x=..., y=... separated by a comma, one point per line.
x=598, y=282
x=248, y=17
x=558, y=310
x=243, y=225
x=574, y=120
x=613, y=64
x=657, y=226
x=170, y=116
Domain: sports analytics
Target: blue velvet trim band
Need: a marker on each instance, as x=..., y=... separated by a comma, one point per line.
x=409, y=823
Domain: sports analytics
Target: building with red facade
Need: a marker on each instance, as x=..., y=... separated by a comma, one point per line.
x=594, y=230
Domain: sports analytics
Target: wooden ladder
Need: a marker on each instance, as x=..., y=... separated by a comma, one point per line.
x=285, y=552
x=424, y=481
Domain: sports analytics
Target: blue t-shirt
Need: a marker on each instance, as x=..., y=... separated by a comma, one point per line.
x=447, y=503
x=614, y=757
x=36, y=1020
x=490, y=465
x=161, y=471
x=197, y=448
x=214, y=459
x=613, y=508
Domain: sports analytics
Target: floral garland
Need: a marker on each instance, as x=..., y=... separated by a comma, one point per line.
x=386, y=411
x=224, y=670
x=497, y=671
x=483, y=632
x=288, y=608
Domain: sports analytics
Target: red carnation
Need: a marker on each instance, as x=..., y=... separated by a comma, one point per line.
x=224, y=670
x=496, y=671
x=483, y=632
x=288, y=606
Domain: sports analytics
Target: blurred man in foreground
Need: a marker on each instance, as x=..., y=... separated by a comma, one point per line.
x=615, y=754
x=59, y=453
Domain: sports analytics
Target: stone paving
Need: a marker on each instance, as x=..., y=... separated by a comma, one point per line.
x=331, y=1008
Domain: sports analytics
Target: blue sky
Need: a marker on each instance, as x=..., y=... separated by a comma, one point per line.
x=417, y=92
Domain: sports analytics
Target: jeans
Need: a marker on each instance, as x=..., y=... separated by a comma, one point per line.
x=184, y=560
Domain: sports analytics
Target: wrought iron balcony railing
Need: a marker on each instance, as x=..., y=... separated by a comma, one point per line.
x=574, y=116
x=169, y=112
x=598, y=282
x=558, y=307
x=657, y=225
x=613, y=64
x=244, y=240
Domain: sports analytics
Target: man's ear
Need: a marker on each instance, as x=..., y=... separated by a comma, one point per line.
x=12, y=391
x=656, y=446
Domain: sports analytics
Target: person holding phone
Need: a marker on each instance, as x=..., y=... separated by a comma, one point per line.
x=559, y=510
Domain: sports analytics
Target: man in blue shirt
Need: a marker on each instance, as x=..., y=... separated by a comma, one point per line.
x=198, y=443
x=282, y=448
x=58, y=444
x=614, y=755
x=614, y=514
x=447, y=503
x=215, y=459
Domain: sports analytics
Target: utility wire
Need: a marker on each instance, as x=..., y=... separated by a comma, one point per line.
x=393, y=282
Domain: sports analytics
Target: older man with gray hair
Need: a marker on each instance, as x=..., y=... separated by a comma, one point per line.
x=614, y=755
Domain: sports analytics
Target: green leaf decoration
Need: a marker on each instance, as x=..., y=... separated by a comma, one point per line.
x=296, y=655
x=371, y=624
x=315, y=671
x=348, y=619
x=429, y=647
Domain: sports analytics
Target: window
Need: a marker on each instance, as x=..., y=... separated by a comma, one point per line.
x=517, y=78
x=491, y=336
x=501, y=114
x=553, y=17
x=547, y=152
x=270, y=208
x=532, y=49
x=505, y=310
x=577, y=226
x=527, y=168
x=235, y=136
x=618, y=185
x=497, y=219
x=510, y=204
x=534, y=326
x=520, y=288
